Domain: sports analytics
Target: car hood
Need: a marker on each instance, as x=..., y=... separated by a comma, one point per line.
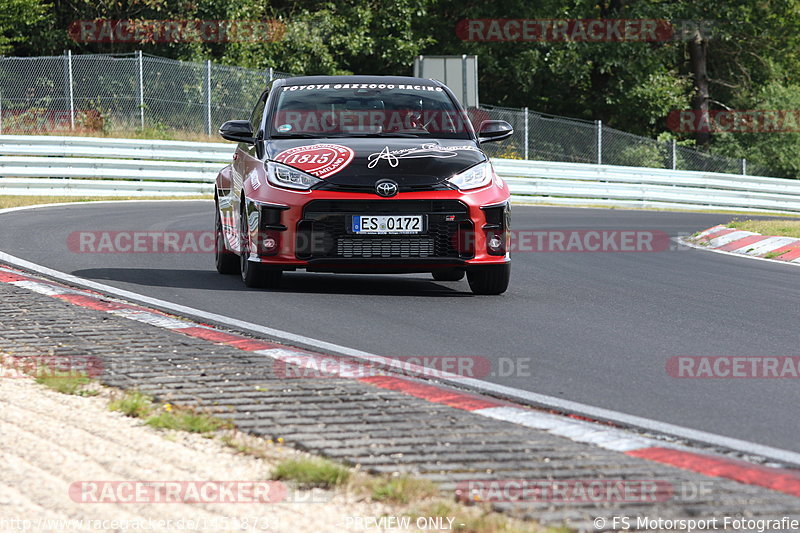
x=363, y=161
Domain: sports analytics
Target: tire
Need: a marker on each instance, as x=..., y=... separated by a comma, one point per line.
x=255, y=275
x=489, y=279
x=451, y=274
x=227, y=262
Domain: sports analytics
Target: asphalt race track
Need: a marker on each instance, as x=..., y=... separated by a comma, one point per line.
x=598, y=327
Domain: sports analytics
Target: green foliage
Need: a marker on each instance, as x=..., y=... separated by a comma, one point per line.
x=312, y=471
x=185, y=420
x=133, y=404
x=17, y=19
x=65, y=382
x=753, y=53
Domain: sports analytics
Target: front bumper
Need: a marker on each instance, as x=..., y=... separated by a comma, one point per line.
x=310, y=230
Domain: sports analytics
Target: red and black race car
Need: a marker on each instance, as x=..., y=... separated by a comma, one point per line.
x=362, y=174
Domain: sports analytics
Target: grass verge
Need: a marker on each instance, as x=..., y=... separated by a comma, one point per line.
x=783, y=228
x=65, y=382
x=133, y=404
x=166, y=415
x=412, y=497
x=157, y=133
x=312, y=472
x=19, y=201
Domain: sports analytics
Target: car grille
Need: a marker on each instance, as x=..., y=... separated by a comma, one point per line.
x=324, y=231
x=383, y=247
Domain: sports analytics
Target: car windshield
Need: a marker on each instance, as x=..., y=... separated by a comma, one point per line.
x=367, y=110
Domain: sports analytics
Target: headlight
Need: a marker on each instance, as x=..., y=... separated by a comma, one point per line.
x=472, y=178
x=291, y=178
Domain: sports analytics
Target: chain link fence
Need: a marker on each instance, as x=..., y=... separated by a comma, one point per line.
x=551, y=138
x=125, y=92
x=122, y=92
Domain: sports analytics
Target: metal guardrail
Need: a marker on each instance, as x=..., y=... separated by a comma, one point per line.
x=86, y=166
x=89, y=166
x=618, y=186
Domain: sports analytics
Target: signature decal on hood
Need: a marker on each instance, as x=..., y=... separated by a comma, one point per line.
x=426, y=150
x=320, y=160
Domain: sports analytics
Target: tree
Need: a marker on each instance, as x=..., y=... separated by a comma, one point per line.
x=17, y=17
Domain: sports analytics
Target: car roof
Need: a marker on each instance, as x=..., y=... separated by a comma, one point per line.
x=315, y=80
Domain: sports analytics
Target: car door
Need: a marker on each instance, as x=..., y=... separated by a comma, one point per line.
x=243, y=158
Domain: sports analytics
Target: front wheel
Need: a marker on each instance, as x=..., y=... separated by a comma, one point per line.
x=255, y=274
x=492, y=279
x=227, y=262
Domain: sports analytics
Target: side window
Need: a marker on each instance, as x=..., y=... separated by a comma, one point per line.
x=258, y=112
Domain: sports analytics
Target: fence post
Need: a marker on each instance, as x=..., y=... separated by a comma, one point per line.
x=270, y=75
x=141, y=89
x=674, y=154
x=599, y=124
x=744, y=167
x=208, y=96
x=464, y=92
x=71, y=94
x=526, y=133
x=1, y=112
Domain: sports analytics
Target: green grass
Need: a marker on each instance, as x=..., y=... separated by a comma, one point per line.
x=139, y=133
x=19, y=201
x=773, y=255
x=312, y=472
x=779, y=227
x=186, y=420
x=402, y=489
x=65, y=382
x=166, y=416
x=133, y=404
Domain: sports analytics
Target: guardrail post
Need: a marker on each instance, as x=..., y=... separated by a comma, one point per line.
x=744, y=167
x=526, y=133
x=141, y=90
x=71, y=95
x=208, y=96
x=674, y=154
x=599, y=124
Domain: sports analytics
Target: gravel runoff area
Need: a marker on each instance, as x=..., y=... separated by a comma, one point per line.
x=383, y=431
x=49, y=440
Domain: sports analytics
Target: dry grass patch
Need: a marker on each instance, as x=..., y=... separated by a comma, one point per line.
x=780, y=227
x=19, y=201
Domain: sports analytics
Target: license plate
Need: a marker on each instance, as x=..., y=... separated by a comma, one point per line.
x=387, y=224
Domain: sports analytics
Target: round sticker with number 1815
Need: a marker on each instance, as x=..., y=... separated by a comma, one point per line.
x=320, y=160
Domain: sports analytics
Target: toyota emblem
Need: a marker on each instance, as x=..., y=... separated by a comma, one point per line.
x=386, y=188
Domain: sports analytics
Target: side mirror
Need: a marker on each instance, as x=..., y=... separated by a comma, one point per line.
x=237, y=130
x=494, y=130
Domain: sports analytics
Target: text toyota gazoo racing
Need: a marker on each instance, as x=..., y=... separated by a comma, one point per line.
x=362, y=174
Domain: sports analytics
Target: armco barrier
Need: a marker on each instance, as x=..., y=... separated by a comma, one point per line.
x=48, y=165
